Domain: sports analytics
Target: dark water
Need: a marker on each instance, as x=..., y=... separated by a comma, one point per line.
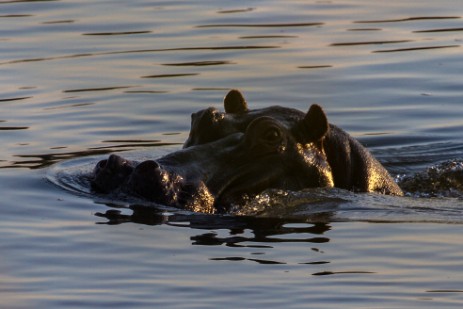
x=80, y=79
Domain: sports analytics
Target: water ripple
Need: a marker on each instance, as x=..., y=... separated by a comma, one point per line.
x=444, y=291
x=405, y=19
x=414, y=48
x=327, y=273
x=365, y=29
x=69, y=106
x=439, y=30
x=117, y=33
x=136, y=51
x=198, y=63
x=236, y=11
x=268, y=36
x=41, y=160
x=15, y=15
x=314, y=66
x=371, y=43
x=95, y=89
x=14, y=99
x=171, y=75
x=210, y=89
x=53, y=22
x=146, y=91
x=237, y=258
x=13, y=128
x=283, y=25
x=19, y=1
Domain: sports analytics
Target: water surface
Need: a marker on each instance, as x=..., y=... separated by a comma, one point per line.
x=82, y=79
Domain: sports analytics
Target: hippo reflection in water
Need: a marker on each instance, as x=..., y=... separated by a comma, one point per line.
x=232, y=156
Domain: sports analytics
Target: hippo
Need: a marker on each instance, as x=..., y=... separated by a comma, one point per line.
x=220, y=175
x=353, y=167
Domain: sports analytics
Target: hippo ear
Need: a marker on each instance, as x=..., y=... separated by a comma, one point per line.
x=313, y=127
x=235, y=103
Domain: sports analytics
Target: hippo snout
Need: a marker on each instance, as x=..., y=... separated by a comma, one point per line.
x=153, y=181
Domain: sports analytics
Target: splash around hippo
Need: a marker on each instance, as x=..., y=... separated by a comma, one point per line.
x=231, y=157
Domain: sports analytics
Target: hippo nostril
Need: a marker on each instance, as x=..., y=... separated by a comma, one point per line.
x=115, y=161
x=151, y=164
x=150, y=172
x=151, y=181
x=148, y=166
x=102, y=164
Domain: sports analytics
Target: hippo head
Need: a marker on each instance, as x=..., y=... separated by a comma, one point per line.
x=353, y=167
x=216, y=176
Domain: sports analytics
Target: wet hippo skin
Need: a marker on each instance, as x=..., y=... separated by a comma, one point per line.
x=216, y=176
x=232, y=156
x=353, y=167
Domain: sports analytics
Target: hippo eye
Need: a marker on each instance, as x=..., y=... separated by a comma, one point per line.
x=272, y=136
x=267, y=133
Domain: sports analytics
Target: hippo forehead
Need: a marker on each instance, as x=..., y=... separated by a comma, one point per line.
x=211, y=124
